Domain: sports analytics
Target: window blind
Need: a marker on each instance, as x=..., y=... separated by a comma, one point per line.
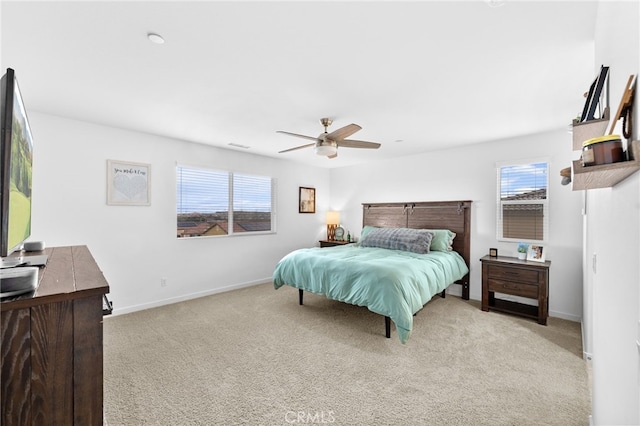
x=202, y=191
x=523, y=202
x=212, y=202
x=251, y=203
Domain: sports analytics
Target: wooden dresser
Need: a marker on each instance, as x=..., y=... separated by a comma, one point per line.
x=51, y=348
x=509, y=275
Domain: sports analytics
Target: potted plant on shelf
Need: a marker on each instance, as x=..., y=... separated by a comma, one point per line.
x=522, y=250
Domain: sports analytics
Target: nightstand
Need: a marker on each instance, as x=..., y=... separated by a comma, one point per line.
x=509, y=275
x=327, y=243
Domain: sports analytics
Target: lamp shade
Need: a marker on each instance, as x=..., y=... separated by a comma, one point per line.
x=333, y=218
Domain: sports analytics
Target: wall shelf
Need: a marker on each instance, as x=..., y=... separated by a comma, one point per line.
x=606, y=175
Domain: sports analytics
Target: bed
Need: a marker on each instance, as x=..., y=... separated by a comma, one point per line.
x=395, y=283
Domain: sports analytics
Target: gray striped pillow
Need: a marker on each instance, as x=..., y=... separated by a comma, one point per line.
x=406, y=239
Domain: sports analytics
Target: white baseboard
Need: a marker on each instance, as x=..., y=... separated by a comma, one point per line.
x=587, y=356
x=566, y=316
x=184, y=297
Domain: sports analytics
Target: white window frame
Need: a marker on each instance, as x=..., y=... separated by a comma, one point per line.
x=230, y=211
x=500, y=203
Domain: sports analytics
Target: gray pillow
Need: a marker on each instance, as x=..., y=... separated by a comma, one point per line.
x=406, y=239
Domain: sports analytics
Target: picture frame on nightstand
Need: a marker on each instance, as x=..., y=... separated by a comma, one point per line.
x=536, y=253
x=493, y=252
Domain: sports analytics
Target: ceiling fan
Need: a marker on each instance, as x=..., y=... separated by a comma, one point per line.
x=327, y=144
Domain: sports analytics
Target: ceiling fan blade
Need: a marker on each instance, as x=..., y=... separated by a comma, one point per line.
x=343, y=132
x=297, y=147
x=311, y=138
x=351, y=143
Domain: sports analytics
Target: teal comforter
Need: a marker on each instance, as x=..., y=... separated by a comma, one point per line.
x=392, y=283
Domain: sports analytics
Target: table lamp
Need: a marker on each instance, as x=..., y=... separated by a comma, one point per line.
x=333, y=219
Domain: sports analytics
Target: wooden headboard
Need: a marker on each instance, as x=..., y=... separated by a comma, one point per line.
x=452, y=215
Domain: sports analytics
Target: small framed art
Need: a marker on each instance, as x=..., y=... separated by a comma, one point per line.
x=307, y=200
x=493, y=252
x=536, y=253
x=128, y=184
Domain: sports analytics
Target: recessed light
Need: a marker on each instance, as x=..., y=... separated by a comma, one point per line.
x=155, y=38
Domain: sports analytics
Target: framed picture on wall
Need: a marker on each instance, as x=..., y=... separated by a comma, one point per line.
x=307, y=200
x=536, y=253
x=128, y=184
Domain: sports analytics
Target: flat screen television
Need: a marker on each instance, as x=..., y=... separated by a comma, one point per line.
x=16, y=161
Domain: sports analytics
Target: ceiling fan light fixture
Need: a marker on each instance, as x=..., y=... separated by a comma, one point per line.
x=326, y=148
x=326, y=144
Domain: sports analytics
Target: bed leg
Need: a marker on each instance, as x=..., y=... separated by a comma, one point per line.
x=465, y=287
x=387, y=327
x=443, y=294
x=300, y=296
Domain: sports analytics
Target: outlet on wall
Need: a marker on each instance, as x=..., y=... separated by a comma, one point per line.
x=163, y=282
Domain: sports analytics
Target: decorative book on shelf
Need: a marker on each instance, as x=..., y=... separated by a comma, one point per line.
x=588, y=126
x=599, y=87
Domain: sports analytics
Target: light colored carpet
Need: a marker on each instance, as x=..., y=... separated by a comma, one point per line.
x=254, y=356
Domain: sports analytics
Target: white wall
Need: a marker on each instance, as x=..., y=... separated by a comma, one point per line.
x=136, y=246
x=613, y=238
x=469, y=173
x=617, y=46
x=613, y=252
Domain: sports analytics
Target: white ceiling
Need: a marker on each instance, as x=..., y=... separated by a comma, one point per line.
x=417, y=76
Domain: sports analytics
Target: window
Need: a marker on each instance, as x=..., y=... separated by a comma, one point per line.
x=523, y=203
x=212, y=202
